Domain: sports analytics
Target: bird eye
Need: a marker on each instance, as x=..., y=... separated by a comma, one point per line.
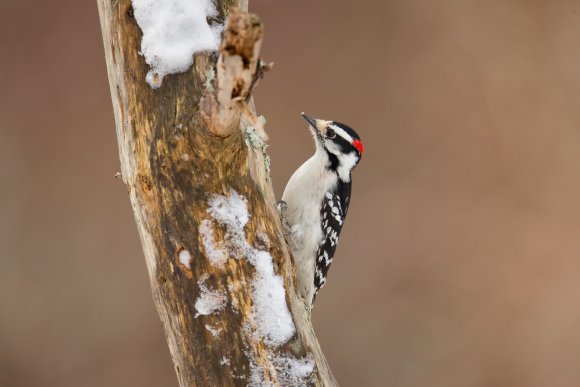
x=330, y=133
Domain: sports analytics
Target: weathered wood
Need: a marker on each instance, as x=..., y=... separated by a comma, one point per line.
x=236, y=71
x=173, y=158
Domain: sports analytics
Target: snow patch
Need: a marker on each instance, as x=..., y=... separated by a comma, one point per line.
x=214, y=251
x=185, y=258
x=273, y=320
x=214, y=331
x=173, y=31
x=270, y=312
x=293, y=372
x=289, y=371
x=231, y=211
x=209, y=301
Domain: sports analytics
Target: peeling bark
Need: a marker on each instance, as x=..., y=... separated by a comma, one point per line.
x=178, y=146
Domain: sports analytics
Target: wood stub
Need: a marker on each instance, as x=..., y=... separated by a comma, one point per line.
x=237, y=69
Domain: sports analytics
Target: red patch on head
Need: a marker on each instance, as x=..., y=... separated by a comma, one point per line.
x=358, y=145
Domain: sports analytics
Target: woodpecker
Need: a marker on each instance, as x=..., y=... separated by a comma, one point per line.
x=315, y=202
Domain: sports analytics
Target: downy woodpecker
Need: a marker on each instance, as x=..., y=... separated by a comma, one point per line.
x=315, y=202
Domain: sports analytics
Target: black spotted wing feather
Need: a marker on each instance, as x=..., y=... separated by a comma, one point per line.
x=333, y=214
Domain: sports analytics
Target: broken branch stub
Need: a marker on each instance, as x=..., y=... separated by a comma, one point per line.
x=237, y=69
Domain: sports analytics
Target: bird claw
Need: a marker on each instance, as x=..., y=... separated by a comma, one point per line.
x=281, y=206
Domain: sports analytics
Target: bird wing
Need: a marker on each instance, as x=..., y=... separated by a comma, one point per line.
x=333, y=213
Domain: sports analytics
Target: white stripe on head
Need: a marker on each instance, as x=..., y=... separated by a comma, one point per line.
x=346, y=161
x=341, y=132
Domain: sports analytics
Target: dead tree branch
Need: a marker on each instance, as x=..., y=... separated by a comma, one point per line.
x=183, y=147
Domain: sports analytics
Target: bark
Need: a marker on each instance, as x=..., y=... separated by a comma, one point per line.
x=179, y=145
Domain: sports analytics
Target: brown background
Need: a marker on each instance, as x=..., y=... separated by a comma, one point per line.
x=460, y=261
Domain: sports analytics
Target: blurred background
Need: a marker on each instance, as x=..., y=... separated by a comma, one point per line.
x=459, y=264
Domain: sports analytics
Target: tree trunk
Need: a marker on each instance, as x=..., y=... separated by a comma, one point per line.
x=187, y=148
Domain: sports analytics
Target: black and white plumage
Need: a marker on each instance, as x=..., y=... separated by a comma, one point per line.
x=316, y=200
x=332, y=215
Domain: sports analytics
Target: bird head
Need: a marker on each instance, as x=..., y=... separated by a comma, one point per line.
x=340, y=142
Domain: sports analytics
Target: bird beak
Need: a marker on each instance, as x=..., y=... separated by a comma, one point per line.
x=319, y=125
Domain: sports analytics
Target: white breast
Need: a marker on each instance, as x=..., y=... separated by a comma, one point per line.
x=304, y=194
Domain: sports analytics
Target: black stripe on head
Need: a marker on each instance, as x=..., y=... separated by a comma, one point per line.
x=347, y=129
x=344, y=145
x=333, y=161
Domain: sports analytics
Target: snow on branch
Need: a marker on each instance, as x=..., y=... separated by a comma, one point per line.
x=173, y=31
x=270, y=313
x=271, y=319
